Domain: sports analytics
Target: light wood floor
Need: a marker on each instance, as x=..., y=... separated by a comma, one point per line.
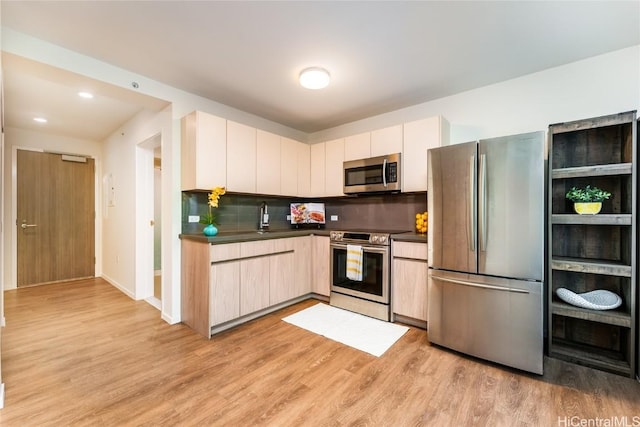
x=82, y=353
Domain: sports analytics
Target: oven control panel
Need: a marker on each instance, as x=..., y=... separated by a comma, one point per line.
x=360, y=238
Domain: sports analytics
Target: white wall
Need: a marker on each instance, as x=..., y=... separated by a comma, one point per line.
x=601, y=85
x=121, y=227
x=20, y=138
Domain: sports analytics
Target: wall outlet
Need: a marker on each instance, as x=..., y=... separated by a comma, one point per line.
x=194, y=218
x=334, y=217
x=288, y=217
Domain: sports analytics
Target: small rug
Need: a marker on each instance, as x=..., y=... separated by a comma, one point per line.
x=364, y=333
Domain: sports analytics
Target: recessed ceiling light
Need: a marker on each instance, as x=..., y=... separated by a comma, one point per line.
x=40, y=119
x=86, y=95
x=314, y=78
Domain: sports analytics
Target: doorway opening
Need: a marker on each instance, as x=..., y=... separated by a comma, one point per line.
x=149, y=275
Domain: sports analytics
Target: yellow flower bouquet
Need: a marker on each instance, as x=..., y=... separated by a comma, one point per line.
x=209, y=219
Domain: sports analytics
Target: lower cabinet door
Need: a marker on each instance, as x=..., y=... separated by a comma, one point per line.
x=410, y=288
x=224, y=297
x=282, y=284
x=254, y=284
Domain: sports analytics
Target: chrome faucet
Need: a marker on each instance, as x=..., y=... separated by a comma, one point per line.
x=264, y=217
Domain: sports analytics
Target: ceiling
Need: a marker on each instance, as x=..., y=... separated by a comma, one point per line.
x=382, y=55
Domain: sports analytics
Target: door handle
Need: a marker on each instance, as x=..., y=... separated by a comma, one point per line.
x=471, y=222
x=24, y=225
x=478, y=285
x=482, y=198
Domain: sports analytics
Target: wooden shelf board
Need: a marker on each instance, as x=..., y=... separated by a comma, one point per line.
x=588, y=356
x=610, y=317
x=599, y=219
x=609, y=120
x=582, y=265
x=595, y=170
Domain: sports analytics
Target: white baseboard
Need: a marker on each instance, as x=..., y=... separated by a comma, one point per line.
x=155, y=302
x=1, y=395
x=119, y=286
x=169, y=319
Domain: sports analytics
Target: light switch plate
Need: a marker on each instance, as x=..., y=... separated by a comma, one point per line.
x=194, y=218
x=288, y=217
x=334, y=217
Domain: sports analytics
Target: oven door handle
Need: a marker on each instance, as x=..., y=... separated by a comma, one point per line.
x=366, y=248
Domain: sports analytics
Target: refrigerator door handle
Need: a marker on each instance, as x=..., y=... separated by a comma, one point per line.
x=478, y=285
x=482, y=200
x=471, y=223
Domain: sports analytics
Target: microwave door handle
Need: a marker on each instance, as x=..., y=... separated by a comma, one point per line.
x=384, y=172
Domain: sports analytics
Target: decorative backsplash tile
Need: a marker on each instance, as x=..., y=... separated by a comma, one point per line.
x=240, y=212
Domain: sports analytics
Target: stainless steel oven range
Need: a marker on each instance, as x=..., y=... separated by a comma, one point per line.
x=371, y=295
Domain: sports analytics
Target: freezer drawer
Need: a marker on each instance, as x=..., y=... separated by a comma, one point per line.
x=491, y=318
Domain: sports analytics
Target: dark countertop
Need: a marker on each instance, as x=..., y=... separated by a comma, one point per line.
x=248, y=236
x=410, y=237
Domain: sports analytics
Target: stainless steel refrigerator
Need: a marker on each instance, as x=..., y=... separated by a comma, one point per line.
x=486, y=204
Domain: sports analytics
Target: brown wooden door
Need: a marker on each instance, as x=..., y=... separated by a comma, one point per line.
x=56, y=215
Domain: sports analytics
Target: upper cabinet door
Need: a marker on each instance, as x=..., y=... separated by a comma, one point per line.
x=241, y=158
x=204, y=137
x=267, y=163
x=288, y=167
x=386, y=141
x=304, y=169
x=334, y=168
x=419, y=136
x=317, y=169
x=357, y=146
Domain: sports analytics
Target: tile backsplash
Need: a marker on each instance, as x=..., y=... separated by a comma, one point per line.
x=240, y=212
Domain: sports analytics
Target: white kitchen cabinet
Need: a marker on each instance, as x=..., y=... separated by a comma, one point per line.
x=320, y=265
x=419, y=136
x=357, y=146
x=334, y=168
x=288, y=166
x=268, y=162
x=303, y=170
x=204, y=138
x=317, y=169
x=241, y=158
x=409, y=281
x=386, y=141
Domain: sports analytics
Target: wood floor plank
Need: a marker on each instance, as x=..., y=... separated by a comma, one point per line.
x=83, y=354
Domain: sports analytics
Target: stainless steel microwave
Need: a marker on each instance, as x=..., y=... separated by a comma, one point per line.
x=372, y=175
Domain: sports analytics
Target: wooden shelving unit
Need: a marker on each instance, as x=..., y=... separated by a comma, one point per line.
x=589, y=252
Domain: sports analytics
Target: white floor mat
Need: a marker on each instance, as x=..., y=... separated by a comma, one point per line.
x=355, y=330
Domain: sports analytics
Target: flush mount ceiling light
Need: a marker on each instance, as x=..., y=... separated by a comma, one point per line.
x=86, y=95
x=314, y=78
x=40, y=119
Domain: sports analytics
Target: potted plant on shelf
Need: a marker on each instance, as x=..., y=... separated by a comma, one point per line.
x=587, y=200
